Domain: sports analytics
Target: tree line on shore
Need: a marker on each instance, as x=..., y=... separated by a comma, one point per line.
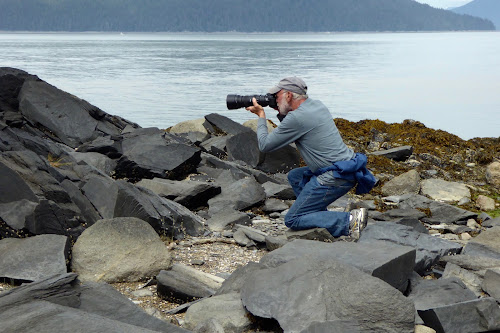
x=234, y=15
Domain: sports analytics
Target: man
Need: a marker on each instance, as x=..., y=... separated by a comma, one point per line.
x=332, y=168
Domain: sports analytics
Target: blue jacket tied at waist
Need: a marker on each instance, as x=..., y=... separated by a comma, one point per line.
x=353, y=170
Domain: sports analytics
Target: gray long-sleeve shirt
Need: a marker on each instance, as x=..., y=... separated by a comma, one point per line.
x=313, y=130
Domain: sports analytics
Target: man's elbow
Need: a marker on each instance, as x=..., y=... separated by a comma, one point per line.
x=263, y=148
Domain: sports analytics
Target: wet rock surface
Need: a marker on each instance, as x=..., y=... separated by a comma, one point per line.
x=207, y=203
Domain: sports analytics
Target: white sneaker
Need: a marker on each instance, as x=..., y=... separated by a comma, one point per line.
x=358, y=222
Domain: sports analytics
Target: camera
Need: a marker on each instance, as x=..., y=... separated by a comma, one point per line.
x=240, y=101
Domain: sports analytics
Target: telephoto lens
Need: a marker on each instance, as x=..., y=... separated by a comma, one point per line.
x=241, y=101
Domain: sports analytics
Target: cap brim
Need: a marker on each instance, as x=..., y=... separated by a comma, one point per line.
x=274, y=90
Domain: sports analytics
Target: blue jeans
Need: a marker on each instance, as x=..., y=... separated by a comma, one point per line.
x=310, y=208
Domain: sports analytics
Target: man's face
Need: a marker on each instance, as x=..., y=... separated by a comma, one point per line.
x=283, y=106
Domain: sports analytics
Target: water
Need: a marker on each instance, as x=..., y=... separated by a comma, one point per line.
x=446, y=80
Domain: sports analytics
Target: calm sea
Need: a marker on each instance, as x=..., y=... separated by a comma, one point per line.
x=448, y=81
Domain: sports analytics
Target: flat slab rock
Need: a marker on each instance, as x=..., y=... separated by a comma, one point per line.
x=310, y=289
x=33, y=258
x=389, y=262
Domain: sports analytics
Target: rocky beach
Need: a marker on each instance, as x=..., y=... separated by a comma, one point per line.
x=109, y=227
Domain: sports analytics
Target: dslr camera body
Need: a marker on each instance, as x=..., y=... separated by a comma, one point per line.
x=242, y=101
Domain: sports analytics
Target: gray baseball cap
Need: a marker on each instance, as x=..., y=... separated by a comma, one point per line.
x=293, y=84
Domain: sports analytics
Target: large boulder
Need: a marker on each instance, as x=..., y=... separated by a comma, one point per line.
x=120, y=249
x=311, y=289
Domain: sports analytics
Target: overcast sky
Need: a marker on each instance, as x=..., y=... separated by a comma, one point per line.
x=445, y=3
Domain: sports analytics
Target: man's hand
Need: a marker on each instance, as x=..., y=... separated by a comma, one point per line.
x=257, y=109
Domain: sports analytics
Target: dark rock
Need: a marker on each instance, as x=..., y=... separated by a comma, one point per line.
x=190, y=194
x=393, y=214
x=280, y=160
x=150, y=152
x=214, y=162
x=175, y=285
x=389, y=262
x=99, y=161
x=11, y=81
x=59, y=112
x=242, y=239
x=51, y=218
x=278, y=191
x=15, y=213
x=480, y=315
x=471, y=279
x=104, y=300
x=318, y=234
x=88, y=211
x=273, y=243
x=102, y=192
x=244, y=147
x=490, y=223
x=312, y=289
x=474, y=263
x=33, y=258
x=252, y=233
x=62, y=319
x=225, y=125
x=274, y=205
x=225, y=310
x=491, y=283
x=227, y=218
x=440, y=212
x=429, y=249
x=237, y=279
x=166, y=216
x=415, y=224
x=333, y=326
x=216, y=146
x=18, y=189
x=397, y=154
x=60, y=304
x=485, y=244
x=103, y=145
x=429, y=294
x=239, y=195
x=56, y=289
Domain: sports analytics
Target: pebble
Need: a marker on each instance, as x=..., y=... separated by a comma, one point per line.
x=465, y=236
x=142, y=293
x=471, y=223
